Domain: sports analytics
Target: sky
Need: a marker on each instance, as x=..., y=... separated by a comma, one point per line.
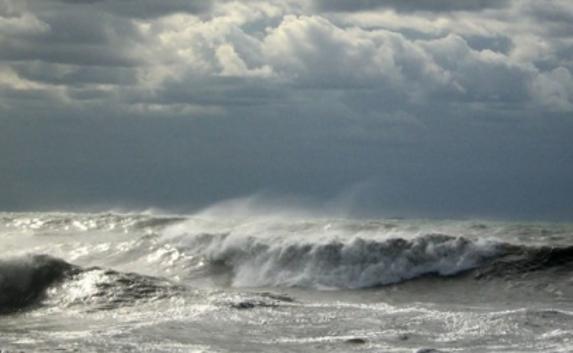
x=435, y=108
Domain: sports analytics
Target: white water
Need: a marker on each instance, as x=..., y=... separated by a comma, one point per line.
x=250, y=283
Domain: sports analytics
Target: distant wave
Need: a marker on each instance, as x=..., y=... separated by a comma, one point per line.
x=82, y=222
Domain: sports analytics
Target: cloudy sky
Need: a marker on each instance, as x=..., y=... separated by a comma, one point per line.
x=435, y=108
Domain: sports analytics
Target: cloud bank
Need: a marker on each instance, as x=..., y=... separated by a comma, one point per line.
x=369, y=82
x=145, y=54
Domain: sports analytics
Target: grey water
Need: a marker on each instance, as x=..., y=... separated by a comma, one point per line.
x=143, y=282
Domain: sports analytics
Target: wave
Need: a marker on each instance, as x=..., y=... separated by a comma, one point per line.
x=83, y=222
x=24, y=281
x=108, y=289
x=520, y=260
x=35, y=279
x=271, y=251
x=254, y=261
x=358, y=263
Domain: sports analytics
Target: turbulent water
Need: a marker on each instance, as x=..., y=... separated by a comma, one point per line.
x=214, y=283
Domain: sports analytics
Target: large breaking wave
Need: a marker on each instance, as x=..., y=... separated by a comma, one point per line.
x=152, y=255
x=358, y=263
x=325, y=255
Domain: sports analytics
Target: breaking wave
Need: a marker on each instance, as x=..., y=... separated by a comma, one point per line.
x=254, y=261
x=358, y=263
x=36, y=279
x=273, y=251
x=24, y=281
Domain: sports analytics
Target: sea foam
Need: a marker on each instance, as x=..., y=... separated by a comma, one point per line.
x=286, y=256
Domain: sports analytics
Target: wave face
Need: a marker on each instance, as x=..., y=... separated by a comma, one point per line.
x=350, y=254
x=356, y=263
x=24, y=281
x=521, y=260
x=32, y=279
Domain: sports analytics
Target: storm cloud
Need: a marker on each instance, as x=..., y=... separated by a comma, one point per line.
x=410, y=5
x=440, y=106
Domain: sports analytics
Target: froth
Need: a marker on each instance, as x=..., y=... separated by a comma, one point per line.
x=337, y=262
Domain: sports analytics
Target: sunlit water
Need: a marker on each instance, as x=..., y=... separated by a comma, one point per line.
x=279, y=283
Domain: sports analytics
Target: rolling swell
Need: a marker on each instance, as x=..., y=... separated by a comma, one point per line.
x=520, y=260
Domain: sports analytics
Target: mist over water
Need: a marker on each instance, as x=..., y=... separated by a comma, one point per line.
x=245, y=276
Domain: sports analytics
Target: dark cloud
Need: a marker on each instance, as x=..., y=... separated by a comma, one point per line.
x=73, y=37
x=554, y=17
x=551, y=11
x=75, y=75
x=28, y=96
x=501, y=44
x=144, y=9
x=219, y=91
x=66, y=54
x=409, y=5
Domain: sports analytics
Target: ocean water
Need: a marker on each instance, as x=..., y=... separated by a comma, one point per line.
x=111, y=282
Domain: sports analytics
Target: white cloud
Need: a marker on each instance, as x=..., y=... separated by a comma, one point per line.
x=233, y=65
x=14, y=21
x=411, y=58
x=554, y=90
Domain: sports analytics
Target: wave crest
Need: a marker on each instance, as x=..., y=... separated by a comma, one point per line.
x=357, y=263
x=24, y=281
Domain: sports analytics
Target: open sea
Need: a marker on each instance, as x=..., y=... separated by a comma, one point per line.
x=111, y=282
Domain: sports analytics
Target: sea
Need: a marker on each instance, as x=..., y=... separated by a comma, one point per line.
x=218, y=283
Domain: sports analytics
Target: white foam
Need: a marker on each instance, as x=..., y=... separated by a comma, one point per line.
x=328, y=254
x=260, y=249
